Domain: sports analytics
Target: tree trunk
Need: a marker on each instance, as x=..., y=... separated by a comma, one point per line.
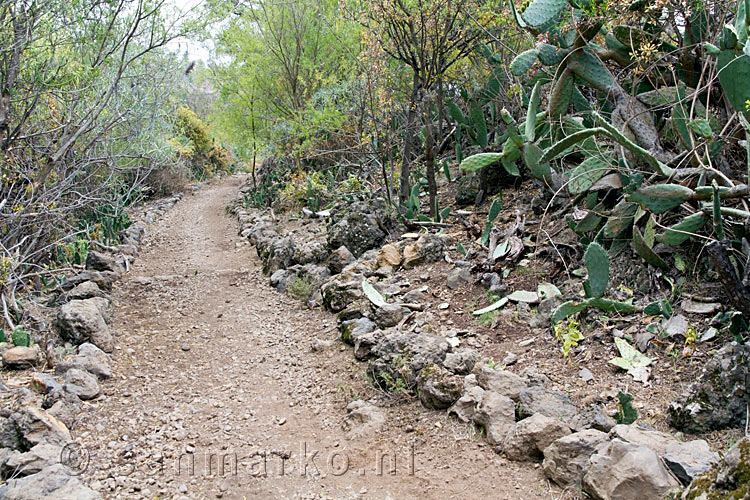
x=441, y=112
x=403, y=193
x=429, y=155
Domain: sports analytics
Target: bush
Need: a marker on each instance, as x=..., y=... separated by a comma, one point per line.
x=168, y=180
x=300, y=288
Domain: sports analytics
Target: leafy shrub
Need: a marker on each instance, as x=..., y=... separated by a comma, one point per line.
x=300, y=288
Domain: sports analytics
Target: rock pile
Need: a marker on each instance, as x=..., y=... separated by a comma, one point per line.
x=35, y=439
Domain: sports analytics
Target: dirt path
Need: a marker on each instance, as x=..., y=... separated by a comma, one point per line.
x=212, y=362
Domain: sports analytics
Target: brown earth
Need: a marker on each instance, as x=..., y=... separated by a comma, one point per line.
x=212, y=362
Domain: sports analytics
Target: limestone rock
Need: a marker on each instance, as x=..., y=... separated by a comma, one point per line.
x=635, y=434
x=81, y=321
x=567, y=458
x=438, y=388
x=52, y=483
x=428, y=248
x=466, y=405
x=537, y=399
x=99, y=261
x=529, y=437
x=497, y=415
x=501, y=381
x=20, y=357
x=717, y=399
x=687, y=460
x=389, y=256
x=89, y=358
x=37, y=458
x=462, y=361
x=362, y=419
x=623, y=471
x=389, y=315
x=82, y=384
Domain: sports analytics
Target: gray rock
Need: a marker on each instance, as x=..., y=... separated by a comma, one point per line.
x=280, y=255
x=567, y=458
x=676, y=326
x=89, y=358
x=537, y=399
x=365, y=343
x=103, y=304
x=403, y=355
x=593, y=417
x=319, y=345
x=342, y=290
x=727, y=479
x=65, y=408
x=586, y=375
x=466, y=405
x=642, y=340
x=546, y=306
x=99, y=261
x=37, y=458
x=493, y=282
x=529, y=437
x=311, y=252
x=82, y=384
x=457, y=278
x=339, y=259
x=21, y=357
x=85, y=290
x=687, y=460
x=81, y=321
x=510, y=359
x=623, y=471
x=717, y=399
x=354, y=328
x=638, y=435
x=359, y=226
x=103, y=279
x=438, y=388
x=29, y=426
x=362, y=419
x=280, y=279
x=52, y=483
x=462, y=361
x=43, y=383
x=428, y=248
x=388, y=315
x=694, y=307
x=501, y=381
x=497, y=415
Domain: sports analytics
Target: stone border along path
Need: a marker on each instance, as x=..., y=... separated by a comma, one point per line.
x=38, y=454
x=579, y=448
x=210, y=363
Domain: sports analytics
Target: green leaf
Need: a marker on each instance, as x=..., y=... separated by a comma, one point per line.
x=711, y=49
x=570, y=140
x=479, y=161
x=547, y=291
x=480, y=126
x=524, y=296
x=461, y=249
x=680, y=232
x=523, y=62
x=372, y=294
x=626, y=414
x=620, y=219
x=660, y=198
x=567, y=309
x=702, y=128
x=542, y=12
x=597, y=265
x=630, y=358
x=531, y=155
x=645, y=251
x=588, y=172
x=494, y=211
x=497, y=305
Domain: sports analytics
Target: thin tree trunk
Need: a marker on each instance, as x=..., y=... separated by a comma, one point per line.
x=429, y=155
x=441, y=112
x=403, y=193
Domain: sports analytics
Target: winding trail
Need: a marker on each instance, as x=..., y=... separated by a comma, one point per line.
x=212, y=362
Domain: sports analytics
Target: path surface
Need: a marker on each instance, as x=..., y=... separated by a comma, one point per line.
x=212, y=362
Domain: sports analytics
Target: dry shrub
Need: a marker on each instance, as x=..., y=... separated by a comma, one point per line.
x=168, y=180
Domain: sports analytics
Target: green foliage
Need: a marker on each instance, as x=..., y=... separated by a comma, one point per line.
x=300, y=288
x=597, y=264
x=20, y=337
x=626, y=413
x=569, y=333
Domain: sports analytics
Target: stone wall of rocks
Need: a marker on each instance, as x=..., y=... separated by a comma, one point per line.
x=520, y=415
x=35, y=433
